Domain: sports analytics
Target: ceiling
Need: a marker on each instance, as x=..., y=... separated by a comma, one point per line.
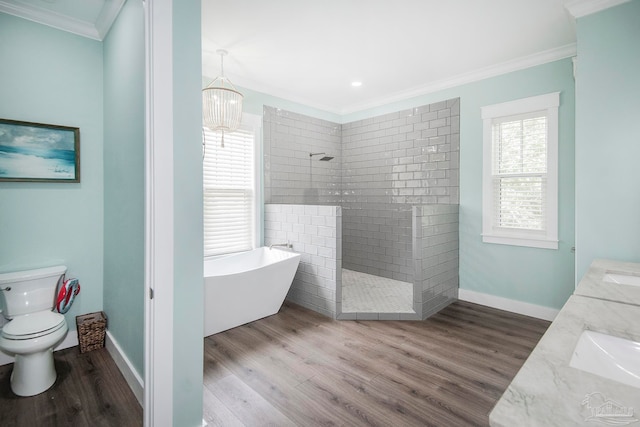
x=310, y=51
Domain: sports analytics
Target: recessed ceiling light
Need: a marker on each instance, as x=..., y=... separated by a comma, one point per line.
x=356, y=84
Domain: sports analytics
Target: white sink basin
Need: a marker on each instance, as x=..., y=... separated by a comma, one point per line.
x=622, y=279
x=610, y=357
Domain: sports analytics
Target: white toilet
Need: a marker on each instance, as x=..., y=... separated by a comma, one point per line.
x=33, y=329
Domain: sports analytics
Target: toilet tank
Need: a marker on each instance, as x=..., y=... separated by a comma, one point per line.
x=30, y=291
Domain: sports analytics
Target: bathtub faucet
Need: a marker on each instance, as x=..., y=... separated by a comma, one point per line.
x=286, y=245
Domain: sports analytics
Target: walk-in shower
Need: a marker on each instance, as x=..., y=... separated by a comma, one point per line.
x=384, y=171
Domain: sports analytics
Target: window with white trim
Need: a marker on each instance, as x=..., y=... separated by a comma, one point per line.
x=520, y=172
x=230, y=183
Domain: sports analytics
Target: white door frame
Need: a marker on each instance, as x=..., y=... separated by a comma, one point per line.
x=159, y=224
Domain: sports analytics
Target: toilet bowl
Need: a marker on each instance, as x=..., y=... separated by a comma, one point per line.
x=33, y=329
x=31, y=339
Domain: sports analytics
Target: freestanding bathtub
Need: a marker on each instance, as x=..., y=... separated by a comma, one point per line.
x=244, y=287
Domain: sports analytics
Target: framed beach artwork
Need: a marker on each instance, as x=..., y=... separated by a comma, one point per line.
x=35, y=152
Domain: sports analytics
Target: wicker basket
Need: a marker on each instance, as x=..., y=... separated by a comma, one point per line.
x=91, y=330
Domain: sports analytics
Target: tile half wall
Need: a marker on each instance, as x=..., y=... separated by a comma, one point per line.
x=316, y=233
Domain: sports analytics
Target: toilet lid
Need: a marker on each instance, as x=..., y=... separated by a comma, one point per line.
x=32, y=325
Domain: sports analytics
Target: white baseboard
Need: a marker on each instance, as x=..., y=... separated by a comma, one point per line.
x=135, y=382
x=71, y=340
x=514, y=306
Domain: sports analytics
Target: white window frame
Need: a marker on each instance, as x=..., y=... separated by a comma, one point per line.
x=548, y=238
x=253, y=123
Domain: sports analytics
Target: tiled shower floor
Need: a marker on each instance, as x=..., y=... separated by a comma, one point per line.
x=365, y=293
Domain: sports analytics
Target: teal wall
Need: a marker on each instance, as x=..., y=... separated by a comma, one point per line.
x=124, y=165
x=188, y=232
x=608, y=136
x=50, y=76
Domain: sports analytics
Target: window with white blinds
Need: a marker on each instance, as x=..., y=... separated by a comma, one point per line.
x=520, y=172
x=229, y=191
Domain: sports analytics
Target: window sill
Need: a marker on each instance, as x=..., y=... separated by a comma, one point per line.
x=520, y=241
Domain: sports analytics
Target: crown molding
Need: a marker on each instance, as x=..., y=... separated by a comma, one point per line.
x=540, y=58
x=51, y=19
x=107, y=16
x=95, y=31
x=580, y=8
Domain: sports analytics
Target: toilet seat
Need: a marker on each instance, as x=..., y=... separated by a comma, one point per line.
x=33, y=325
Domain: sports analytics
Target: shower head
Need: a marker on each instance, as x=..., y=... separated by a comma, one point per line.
x=325, y=158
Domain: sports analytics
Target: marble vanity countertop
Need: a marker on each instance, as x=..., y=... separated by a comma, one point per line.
x=548, y=392
x=593, y=283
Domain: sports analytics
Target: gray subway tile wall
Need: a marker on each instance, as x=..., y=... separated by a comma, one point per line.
x=315, y=232
x=389, y=164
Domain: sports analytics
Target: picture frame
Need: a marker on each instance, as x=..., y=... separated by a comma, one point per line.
x=37, y=152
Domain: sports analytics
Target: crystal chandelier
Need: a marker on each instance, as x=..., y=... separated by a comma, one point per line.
x=221, y=106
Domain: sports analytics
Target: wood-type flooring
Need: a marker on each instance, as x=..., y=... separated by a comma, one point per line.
x=298, y=368
x=89, y=391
